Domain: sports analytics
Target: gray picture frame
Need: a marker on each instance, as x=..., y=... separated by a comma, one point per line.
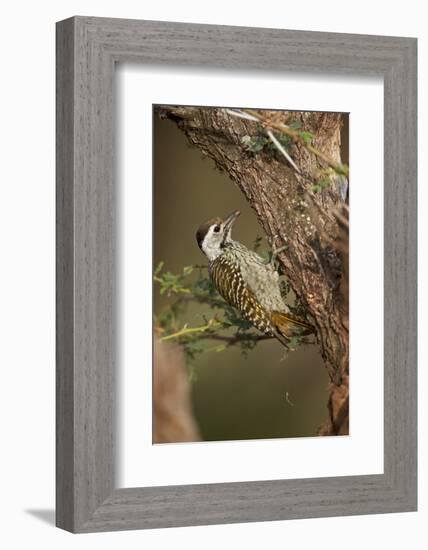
x=87, y=51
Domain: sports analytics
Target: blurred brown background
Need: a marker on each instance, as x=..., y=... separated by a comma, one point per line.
x=233, y=397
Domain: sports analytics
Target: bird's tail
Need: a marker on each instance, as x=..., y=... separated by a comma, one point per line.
x=287, y=326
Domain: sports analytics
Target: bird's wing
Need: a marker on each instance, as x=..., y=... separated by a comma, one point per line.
x=228, y=280
x=230, y=283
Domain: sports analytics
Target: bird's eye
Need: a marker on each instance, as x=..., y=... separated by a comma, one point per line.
x=216, y=229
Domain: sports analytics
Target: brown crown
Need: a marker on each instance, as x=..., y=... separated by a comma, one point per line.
x=203, y=229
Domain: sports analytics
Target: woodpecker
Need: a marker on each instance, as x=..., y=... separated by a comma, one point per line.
x=247, y=282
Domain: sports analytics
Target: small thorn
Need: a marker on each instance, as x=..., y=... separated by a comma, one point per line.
x=288, y=400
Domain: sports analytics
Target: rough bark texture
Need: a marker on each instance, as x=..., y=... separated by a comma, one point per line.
x=312, y=226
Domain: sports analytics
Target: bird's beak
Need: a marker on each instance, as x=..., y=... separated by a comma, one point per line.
x=229, y=221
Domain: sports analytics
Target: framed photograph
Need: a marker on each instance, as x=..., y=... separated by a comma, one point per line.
x=236, y=274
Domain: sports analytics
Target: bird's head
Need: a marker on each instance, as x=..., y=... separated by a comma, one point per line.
x=214, y=234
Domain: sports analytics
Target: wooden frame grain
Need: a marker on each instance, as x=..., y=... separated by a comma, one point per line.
x=87, y=50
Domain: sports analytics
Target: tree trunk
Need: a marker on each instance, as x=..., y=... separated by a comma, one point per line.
x=309, y=222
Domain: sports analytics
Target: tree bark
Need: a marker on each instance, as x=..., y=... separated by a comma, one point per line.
x=311, y=226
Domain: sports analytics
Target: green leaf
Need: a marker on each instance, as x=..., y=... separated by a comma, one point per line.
x=321, y=184
x=342, y=169
x=307, y=137
x=219, y=349
x=254, y=144
x=284, y=139
x=295, y=125
x=159, y=267
x=188, y=270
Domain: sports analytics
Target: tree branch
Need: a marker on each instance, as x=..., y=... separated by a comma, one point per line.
x=186, y=331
